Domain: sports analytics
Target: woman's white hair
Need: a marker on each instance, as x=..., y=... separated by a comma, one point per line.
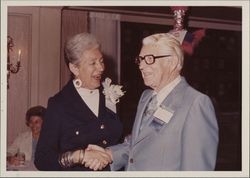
x=166, y=40
x=77, y=45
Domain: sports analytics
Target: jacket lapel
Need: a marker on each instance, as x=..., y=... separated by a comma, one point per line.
x=171, y=103
x=140, y=110
x=174, y=99
x=76, y=104
x=102, y=107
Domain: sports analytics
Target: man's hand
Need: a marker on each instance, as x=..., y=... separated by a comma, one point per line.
x=95, y=147
x=96, y=160
x=96, y=163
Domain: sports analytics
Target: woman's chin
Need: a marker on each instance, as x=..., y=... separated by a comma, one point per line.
x=94, y=87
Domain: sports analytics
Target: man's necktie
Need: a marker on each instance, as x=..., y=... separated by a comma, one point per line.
x=149, y=111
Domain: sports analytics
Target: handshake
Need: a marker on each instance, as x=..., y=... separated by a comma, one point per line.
x=93, y=157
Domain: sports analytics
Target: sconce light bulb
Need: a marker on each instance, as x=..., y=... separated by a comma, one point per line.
x=19, y=55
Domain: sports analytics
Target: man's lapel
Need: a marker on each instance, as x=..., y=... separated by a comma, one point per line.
x=140, y=110
x=171, y=103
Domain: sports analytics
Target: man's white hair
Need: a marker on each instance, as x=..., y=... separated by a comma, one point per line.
x=166, y=40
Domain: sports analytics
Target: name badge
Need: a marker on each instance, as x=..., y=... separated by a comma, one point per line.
x=163, y=114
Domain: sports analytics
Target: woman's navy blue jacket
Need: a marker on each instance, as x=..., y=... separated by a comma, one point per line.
x=69, y=124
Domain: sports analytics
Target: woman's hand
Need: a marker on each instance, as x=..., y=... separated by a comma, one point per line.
x=95, y=159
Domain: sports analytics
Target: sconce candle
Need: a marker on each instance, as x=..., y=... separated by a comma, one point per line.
x=19, y=55
x=12, y=67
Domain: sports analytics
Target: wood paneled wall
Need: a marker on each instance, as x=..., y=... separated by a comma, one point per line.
x=37, y=32
x=18, y=98
x=73, y=22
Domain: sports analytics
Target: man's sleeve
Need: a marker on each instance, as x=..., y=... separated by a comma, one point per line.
x=120, y=154
x=200, y=137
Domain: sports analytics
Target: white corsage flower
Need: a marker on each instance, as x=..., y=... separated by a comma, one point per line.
x=112, y=93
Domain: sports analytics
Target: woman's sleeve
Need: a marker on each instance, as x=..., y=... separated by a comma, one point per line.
x=13, y=148
x=47, y=151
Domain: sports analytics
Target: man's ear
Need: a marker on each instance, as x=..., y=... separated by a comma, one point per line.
x=174, y=63
x=74, y=69
x=179, y=67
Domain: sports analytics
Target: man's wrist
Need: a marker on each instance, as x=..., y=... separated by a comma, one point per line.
x=109, y=152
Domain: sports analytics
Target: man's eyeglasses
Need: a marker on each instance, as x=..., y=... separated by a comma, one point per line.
x=149, y=59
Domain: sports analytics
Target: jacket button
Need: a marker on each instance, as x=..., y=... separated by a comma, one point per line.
x=102, y=126
x=104, y=142
x=131, y=160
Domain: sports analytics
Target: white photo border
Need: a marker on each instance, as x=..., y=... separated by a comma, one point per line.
x=245, y=88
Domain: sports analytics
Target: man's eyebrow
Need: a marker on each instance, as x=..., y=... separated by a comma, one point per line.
x=96, y=58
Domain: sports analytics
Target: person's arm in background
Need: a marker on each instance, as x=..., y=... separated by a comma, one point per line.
x=12, y=151
x=13, y=148
x=200, y=137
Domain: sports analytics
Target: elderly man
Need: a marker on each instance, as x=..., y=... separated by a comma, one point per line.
x=175, y=128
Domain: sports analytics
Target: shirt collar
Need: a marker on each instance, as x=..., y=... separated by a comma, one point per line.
x=164, y=92
x=85, y=91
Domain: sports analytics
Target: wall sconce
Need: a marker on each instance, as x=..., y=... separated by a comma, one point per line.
x=12, y=68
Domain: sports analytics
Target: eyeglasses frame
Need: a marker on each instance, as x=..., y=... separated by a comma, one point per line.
x=138, y=60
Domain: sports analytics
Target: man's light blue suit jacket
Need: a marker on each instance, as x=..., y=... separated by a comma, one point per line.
x=185, y=141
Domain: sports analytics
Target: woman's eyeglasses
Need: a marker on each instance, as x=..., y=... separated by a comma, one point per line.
x=149, y=59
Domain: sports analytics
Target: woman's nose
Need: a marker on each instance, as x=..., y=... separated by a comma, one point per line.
x=100, y=66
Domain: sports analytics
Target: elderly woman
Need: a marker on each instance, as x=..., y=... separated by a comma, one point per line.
x=26, y=142
x=78, y=115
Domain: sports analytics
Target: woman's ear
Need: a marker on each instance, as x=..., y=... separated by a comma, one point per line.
x=74, y=69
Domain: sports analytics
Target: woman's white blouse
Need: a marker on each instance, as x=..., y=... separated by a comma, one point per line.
x=91, y=98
